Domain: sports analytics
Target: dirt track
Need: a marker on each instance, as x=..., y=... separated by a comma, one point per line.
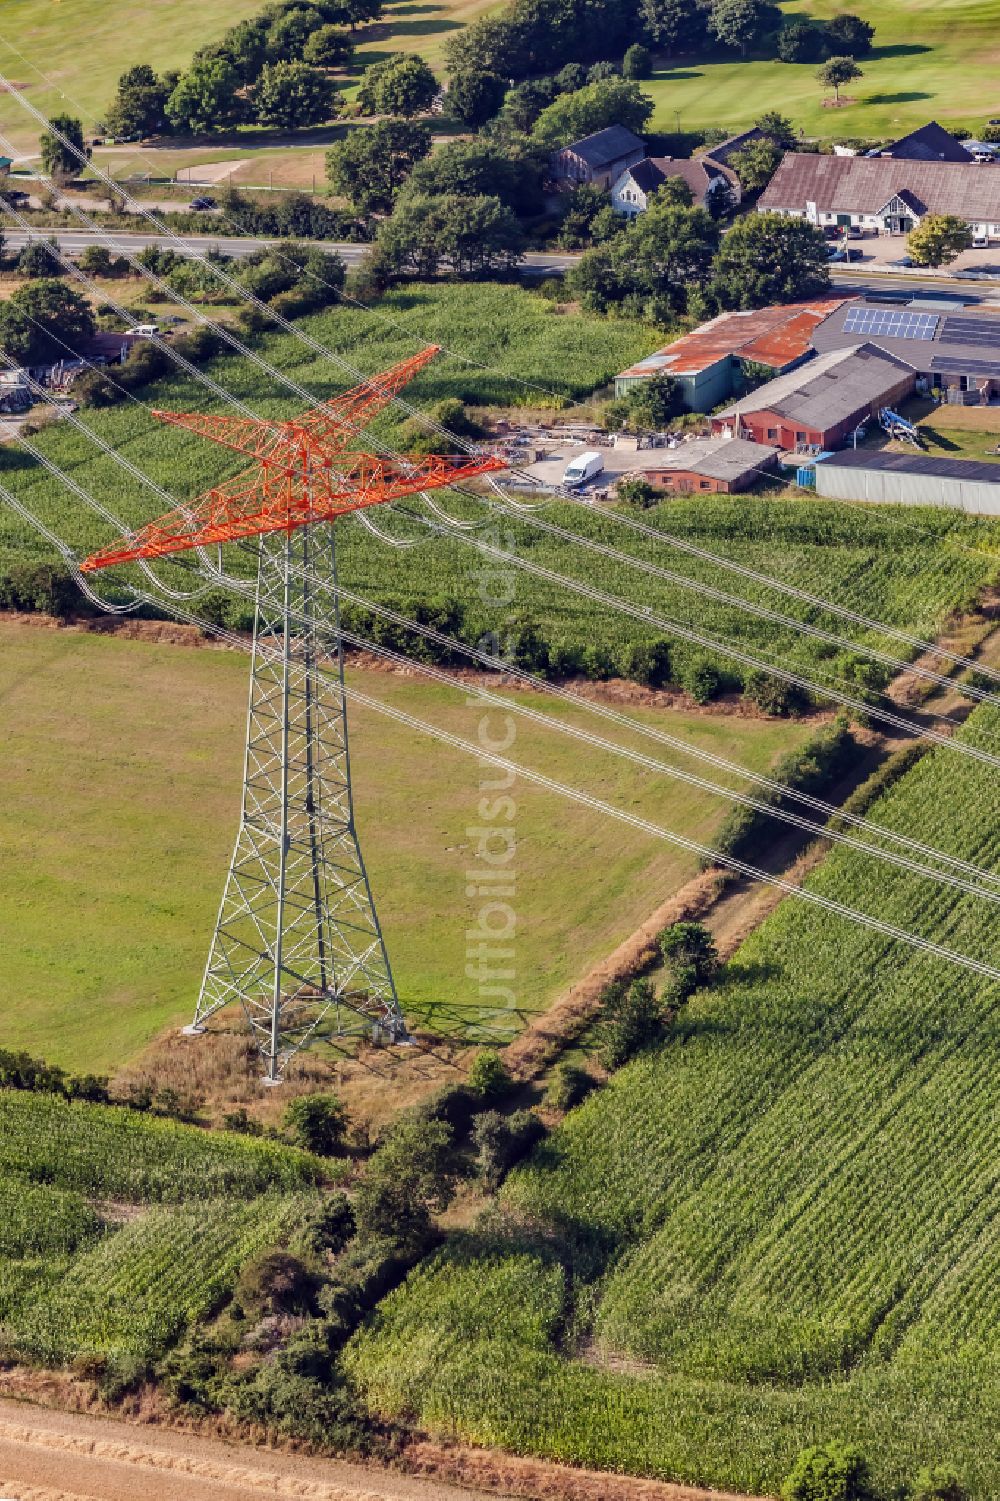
x=60, y=1456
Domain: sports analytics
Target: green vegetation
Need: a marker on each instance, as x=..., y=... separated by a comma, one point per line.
x=104, y=920
x=786, y=1209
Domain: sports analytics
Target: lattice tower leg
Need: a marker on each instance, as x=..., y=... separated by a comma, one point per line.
x=298, y=941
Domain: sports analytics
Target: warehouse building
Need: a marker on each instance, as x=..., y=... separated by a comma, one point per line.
x=718, y=359
x=819, y=405
x=719, y=465
x=913, y=479
x=953, y=349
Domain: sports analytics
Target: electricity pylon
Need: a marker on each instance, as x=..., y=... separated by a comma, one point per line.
x=297, y=941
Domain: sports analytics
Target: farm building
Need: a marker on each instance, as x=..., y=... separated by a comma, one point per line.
x=714, y=464
x=599, y=158
x=914, y=479
x=711, y=362
x=631, y=192
x=930, y=143
x=820, y=405
x=882, y=193
x=953, y=349
x=722, y=157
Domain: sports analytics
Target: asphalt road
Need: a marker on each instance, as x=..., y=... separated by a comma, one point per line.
x=535, y=263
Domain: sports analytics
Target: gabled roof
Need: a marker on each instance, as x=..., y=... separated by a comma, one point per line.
x=652, y=172
x=931, y=143
x=715, y=458
x=605, y=146
x=864, y=184
x=916, y=463
x=773, y=336
x=826, y=390
x=721, y=153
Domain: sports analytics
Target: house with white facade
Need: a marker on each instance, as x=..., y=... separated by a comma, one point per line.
x=884, y=194
x=633, y=188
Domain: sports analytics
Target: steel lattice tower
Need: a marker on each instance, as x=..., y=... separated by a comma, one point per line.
x=297, y=941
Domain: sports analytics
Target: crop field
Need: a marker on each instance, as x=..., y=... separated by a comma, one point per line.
x=912, y=571
x=77, y=1279
x=104, y=921
x=784, y=1219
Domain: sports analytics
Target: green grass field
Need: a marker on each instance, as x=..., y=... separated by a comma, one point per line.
x=776, y=1229
x=121, y=794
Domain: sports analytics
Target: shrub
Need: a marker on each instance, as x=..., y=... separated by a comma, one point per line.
x=701, y=679
x=275, y=1282
x=317, y=1122
x=489, y=1076
x=328, y=1228
x=633, y=1019
x=829, y=1472
x=938, y=1484
x=773, y=696
x=690, y=947
x=637, y=493
x=501, y=1141
x=568, y=1086
x=411, y=1175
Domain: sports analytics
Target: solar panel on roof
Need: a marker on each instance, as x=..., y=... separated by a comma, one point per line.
x=891, y=323
x=967, y=366
x=978, y=332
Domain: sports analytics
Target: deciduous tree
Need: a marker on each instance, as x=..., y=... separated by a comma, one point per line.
x=63, y=161
x=139, y=105
x=738, y=23
x=398, y=85
x=475, y=96
x=676, y=26
x=767, y=258
x=611, y=101
x=938, y=238
x=371, y=165
x=837, y=71
x=849, y=35
x=40, y=320
x=328, y=47
x=206, y=98
x=293, y=94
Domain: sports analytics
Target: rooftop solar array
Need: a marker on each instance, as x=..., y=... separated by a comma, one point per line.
x=982, y=333
x=891, y=323
x=967, y=366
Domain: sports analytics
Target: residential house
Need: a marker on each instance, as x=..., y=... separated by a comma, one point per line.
x=721, y=358
x=882, y=193
x=930, y=143
x=599, y=158
x=718, y=464
x=631, y=192
x=820, y=404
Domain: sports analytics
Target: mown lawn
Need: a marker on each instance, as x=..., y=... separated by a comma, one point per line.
x=122, y=764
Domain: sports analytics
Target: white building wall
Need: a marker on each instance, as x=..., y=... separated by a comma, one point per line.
x=895, y=487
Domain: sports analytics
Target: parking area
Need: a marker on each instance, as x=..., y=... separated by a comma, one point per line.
x=889, y=250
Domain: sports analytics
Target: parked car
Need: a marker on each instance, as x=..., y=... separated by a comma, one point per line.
x=905, y=261
x=202, y=203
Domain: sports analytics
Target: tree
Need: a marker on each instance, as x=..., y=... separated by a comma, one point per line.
x=371, y=165
x=799, y=41
x=938, y=238
x=411, y=1176
x=524, y=103
x=489, y=1076
x=475, y=97
x=837, y=71
x=288, y=33
x=737, y=23
x=40, y=258
x=501, y=1141
x=849, y=36
x=317, y=1123
x=139, y=105
x=767, y=258
x=206, y=97
x=41, y=322
x=611, y=101
x=399, y=85
x=937, y=1483
x=829, y=1472
x=243, y=46
x=62, y=161
x=676, y=26
x=480, y=168
x=294, y=94
x=756, y=163
x=357, y=12
x=470, y=236
x=777, y=128
x=598, y=72
x=689, y=951
x=571, y=76
x=328, y=47
x=647, y=408
x=637, y=62
x=652, y=269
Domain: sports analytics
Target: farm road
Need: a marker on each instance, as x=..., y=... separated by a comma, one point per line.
x=46, y=1455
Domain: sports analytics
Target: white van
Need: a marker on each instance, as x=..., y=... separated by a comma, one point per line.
x=584, y=467
x=145, y=330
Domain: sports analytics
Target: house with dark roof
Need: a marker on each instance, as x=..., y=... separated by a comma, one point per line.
x=599, y=158
x=883, y=193
x=632, y=190
x=821, y=403
x=930, y=143
x=717, y=465
x=711, y=363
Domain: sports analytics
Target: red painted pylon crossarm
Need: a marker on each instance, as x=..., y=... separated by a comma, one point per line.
x=268, y=498
x=354, y=409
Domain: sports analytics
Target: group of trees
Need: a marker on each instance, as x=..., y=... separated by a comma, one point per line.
x=271, y=68
x=672, y=262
